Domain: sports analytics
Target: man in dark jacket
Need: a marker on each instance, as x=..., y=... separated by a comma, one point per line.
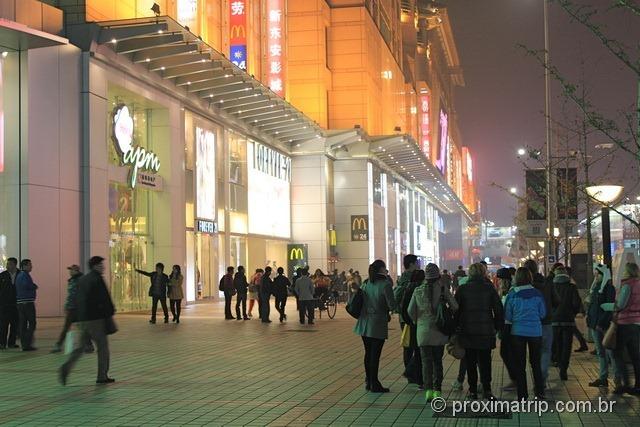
x=94, y=310
x=8, y=307
x=241, y=286
x=480, y=315
x=551, y=301
x=158, y=291
x=281, y=285
x=26, y=300
x=227, y=286
x=563, y=319
x=266, y=288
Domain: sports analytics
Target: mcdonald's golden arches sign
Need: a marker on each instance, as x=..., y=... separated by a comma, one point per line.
x=359, y=228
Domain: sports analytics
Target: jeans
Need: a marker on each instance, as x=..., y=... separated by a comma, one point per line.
x=241, y=300
x=27, y=315
x=372, y=353
x=306, y=306
x=605, y=356
x=432, y=372
x=563, y=339
x=506, y=354
x=628, y=338
x=265, y=308
x=8, y=325
x=520, y=345
x=154, y=307
x=545, y=352
x=176, y=306
x=91, y=330
x=478, y=358
x=227, y=305
x=281, y=302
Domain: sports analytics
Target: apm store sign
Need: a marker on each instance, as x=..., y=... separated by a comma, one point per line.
x=133, y=155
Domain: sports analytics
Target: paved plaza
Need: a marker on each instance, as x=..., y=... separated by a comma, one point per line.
x=208, y=371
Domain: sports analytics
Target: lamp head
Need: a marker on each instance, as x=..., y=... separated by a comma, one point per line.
x=605, y=194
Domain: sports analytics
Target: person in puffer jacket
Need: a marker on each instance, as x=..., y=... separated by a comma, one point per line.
x=563, y=318
x=524, y=310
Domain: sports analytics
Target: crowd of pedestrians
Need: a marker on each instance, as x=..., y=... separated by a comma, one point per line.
x=468, y=313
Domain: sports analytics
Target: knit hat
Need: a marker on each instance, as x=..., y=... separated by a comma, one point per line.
x=503, y=273
x=432, y=271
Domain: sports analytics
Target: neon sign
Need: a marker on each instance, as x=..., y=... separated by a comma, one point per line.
x=238, y=33
x=130, y=154
x=425, y=125
x=275, y=49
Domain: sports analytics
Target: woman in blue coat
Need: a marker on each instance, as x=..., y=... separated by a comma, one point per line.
x=372, y=325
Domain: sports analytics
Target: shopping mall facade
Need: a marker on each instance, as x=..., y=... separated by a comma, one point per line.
x=329, y=139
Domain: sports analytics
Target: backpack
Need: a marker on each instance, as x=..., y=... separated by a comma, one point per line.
x=221, y=284
x=445, y=319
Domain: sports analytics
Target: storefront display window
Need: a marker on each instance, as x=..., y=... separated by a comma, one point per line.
x=9, y=159
x=377, y=186
x=238, y=206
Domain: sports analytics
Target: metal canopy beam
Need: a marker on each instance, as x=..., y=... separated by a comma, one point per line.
x=218, y=85
x=190, y=68
x=163, y=52
x=204, y=75
x=230, y=93
x=255, y=105
x=294, y=133
x=141, y=43
x=174, y=61
x=241, y=102
x=265, y=113
x=107, y=34
x=279, y=125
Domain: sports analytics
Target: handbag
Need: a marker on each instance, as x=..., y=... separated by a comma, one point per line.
x=610, y=339
x=455, y=349
x=354, y=306
x=110, y=327
x=70, y=341
x=405, y=338
x=445, y=319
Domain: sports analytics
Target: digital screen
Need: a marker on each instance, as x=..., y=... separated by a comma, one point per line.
x=206, y=174
x=269, y=191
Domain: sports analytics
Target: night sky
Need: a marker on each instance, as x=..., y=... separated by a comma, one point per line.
x=501, y=106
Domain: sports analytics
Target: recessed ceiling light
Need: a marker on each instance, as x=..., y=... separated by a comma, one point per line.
x=148, y=60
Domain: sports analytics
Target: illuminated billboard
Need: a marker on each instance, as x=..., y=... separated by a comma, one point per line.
x=205, y=174
x=275, y=48
x=443, y=143
x=269, y=191
x=238, y=33
x=425, y=125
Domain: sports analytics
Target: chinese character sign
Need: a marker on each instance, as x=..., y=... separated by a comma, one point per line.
x=238, y=33
x=275, y=67
x=425, y=125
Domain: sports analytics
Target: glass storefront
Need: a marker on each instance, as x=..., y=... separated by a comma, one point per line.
x=9, y=158
x=136, y=128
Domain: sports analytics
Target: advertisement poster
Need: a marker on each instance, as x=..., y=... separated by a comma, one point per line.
x=238, y=33
x=269, y=191
x=536, y=195
x=205, y=174
x=276, y=45
x=443, y=143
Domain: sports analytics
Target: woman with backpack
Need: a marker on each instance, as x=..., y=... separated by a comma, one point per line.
x=372, y=324
x=423, y=310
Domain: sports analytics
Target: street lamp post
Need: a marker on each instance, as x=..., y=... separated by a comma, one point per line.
x=547, y=114
x=606, y=195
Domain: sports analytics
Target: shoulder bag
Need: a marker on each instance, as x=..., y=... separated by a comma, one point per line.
x=445, y=319
x=355, y=304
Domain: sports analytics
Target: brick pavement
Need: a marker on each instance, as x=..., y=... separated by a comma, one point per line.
x=208, y=371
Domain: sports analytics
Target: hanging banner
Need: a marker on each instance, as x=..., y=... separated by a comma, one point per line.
x=567, y=193
x=238, y=33
x=275, y=46
x=425, y=125
x=536, y=194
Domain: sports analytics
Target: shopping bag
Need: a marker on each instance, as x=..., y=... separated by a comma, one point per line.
x=70, y=341
x=455, y=349
x=610, y=339
x=405, y=338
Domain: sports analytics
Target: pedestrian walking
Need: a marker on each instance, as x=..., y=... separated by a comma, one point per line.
x=281, y=286
x=545, y=286
x=26, y=301
x=157, y=291
x=413, y=365
x=304, y=290
x=431, y=341
x=176, y=294
x=226, y=286
x=480, y=316
x=410, y=264
x=457, y=385
x=524, y=309
x=71, y=309
x=373, y=323
x=95, y=320
x=628, y=319
x=506, y=349
x=240, y=284
x=8, y=305
x=599, y=315
x=254, y=290
x=564, y=318
x=266, y=289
